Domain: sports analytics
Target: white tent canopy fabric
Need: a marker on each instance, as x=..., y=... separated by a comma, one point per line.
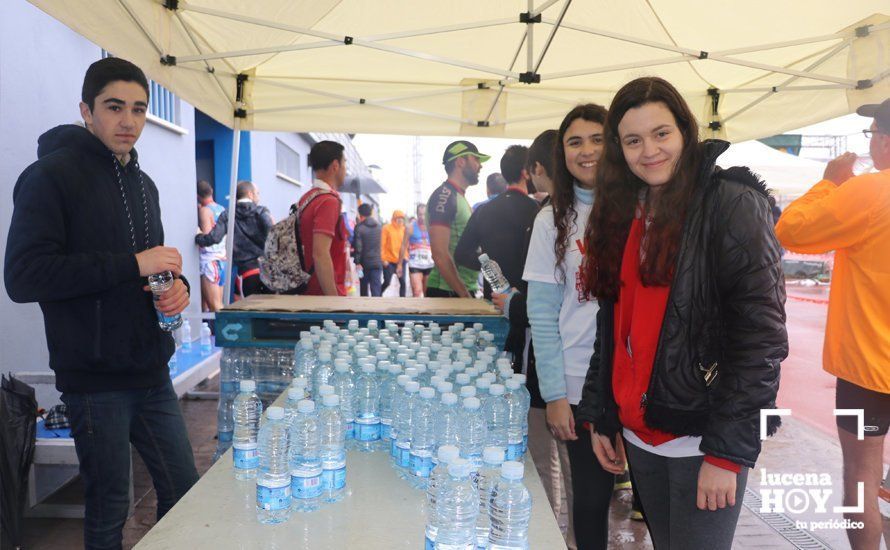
x=787, y=175
x=509, y=68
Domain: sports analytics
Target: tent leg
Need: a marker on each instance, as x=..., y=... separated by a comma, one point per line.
x=230, y=230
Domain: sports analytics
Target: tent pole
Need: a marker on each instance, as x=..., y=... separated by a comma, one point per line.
x=529, y=36
x=230, y=230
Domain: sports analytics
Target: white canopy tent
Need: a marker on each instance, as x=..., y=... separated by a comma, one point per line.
x=505, y=68
x=787, y=175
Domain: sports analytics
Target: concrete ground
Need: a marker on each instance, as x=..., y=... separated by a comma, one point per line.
x=807, y=443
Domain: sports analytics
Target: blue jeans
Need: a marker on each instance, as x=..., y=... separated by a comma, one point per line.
x=372, y=278
x=103, y=425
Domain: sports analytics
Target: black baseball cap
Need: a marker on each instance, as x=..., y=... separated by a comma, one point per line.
x=462, y=148
x=878, y=111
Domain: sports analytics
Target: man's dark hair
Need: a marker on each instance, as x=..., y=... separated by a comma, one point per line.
x=244, y=187
x=324, y=153
x=495, y=184
x=204, y=189
x=105, y=71
x=449, y=166
x=513, y=163
x=542, y=151
x=365, y=210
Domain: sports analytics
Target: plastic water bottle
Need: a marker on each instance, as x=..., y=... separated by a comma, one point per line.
x=343, y=386
x=423, y=437
x=305, y=458
x=510, y=507
x=527, y=403
x=471, y=434
x=398, y=399
x=517, y=424
x=457, y=508
x=323, y=371
x=405, y=423
x=225, y=423
x=447, y=424
x=159, y=283
x=305, y=358
x=468, y=391
x=497, y=416
x=388, y=389
x=367, y=410
x=273, y=484
x=301, y=384
x=445, y=455
x=206, y=340
x=246, y=410
x=492, y=459
x=333, y=449
x=294, y=396
x=185, y=336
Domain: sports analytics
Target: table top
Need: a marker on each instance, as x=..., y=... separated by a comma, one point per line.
x=380, y=511
x=363, y=305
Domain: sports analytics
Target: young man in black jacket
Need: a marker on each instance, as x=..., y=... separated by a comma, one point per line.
x=366, y=245
x=86, y=232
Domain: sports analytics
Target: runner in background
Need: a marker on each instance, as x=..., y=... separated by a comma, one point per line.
x=420, y=256
x=213, y=257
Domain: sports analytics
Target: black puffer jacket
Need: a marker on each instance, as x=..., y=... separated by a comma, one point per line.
x=726, y=309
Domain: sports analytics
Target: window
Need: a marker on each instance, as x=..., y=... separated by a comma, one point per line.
x=287, y=162
x=162, y=103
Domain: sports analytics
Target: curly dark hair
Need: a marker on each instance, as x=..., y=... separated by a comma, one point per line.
x=563, y=196
x=617, y=194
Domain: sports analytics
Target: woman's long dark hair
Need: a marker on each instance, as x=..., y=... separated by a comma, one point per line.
x=617, y=195
x=563, y=196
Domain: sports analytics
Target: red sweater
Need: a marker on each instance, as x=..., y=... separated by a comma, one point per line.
x=639, y=314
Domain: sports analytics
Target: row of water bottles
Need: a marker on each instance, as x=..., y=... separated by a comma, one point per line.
x=185, y=342
x=469, y=508
x=297, y=455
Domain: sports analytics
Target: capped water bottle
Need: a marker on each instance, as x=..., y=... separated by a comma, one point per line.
x=445, y=387
x=343, y=386
x=496, y=412
x=510, y=507
x=462, y=379
x=447, y=420
x=517, y=424
x=273, y=484
x=294, y=396
x=305, y=358
x=398, y=398
x=305, y=458
x=185, y=336
x=457, y=508
x=471, y=434
x=444, y=456
x=367, y=410
x=468, y=391
x=160, y=283
x=301, y=384
x=246, y=410
x=333, y=449
x=225, y=423
x=323, y=371
x=404, y=423
x=388, y=388
x=206, y=340
x=423, y=437
x=492, y=458
x=325, y=389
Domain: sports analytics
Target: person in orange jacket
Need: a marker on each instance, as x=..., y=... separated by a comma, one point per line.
x=392, y=253
x=851, y=215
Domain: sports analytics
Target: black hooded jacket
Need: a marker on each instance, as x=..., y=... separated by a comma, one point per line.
x=725, y=311
x=252, y=225
x=70, y=249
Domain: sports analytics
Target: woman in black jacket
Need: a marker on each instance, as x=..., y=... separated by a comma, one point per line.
x=691, y=328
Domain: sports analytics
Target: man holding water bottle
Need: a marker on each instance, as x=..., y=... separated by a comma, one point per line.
x=850, y=214
x=85, y=236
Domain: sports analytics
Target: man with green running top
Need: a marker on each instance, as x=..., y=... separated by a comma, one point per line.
x=448, y=212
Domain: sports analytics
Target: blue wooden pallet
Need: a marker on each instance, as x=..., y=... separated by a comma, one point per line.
x=282, y=329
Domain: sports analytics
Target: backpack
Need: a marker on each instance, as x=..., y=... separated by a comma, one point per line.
x=282, y=265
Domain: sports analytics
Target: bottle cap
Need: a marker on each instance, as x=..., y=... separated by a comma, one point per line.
x=447, y=453
x=331, y=400
x=368, y=369
x=403, y=379
x=299, y=382
x=463, y=379
x=503, y=362
x=512, y=470
x=381, y=355
x=324, y=356
x=483, y=383
x=247, y=385
x=449, y=398
x=493, y=455
x=445, y=387
x=459, y=467
x=521, y=378
x=496, y=389
x=340, y=365
x=412, y=387
x=427, y=393
x=468, y=391
x=471, y=403
x=325, y=389
x=512, y=384
x=275, y=413
x=295, y=394
x=306, y=406
x=435, y=380
x=395, y=369
x=306, y=343
x=412, y=372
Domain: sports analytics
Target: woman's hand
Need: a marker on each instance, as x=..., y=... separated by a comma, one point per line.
x=500, y=300
x=612, y=459
x=716, y=487
x=560, y=420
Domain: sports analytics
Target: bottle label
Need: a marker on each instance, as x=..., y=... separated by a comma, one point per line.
x=428, y=544
x=349, y=429
x=226, y=388
x=394, y=449
x=385, y=428
x=333, y=480
x=514, y=450
x=421, y=465
x=304, y=484
x=245, y=456
x=225, y=437
x=273, y=496
x=367, y=432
